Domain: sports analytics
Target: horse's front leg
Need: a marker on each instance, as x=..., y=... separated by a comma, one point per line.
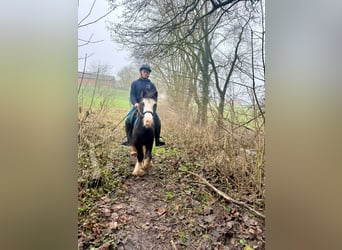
x=148, y=157
x=139, y=169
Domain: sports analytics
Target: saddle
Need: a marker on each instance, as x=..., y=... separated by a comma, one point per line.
x=134, y=119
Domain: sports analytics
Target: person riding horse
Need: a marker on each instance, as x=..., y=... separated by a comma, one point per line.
x=143, y=84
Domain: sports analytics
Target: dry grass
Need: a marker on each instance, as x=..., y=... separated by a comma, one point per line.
x=232, y=162
x=230, y=158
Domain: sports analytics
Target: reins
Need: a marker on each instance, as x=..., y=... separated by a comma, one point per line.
x=139, y=112
x=119, y=122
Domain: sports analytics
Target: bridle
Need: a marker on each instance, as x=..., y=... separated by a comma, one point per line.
x=142, y=114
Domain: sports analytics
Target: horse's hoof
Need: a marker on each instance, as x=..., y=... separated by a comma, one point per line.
x=139, y=172
x=133, y=151
x=147, y=164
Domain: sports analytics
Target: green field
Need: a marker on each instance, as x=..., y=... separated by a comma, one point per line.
x=112, y=98
x=89, y=96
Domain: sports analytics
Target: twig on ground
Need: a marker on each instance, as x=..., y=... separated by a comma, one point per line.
x=225, y=196
x=173, y=245
x=96, y=175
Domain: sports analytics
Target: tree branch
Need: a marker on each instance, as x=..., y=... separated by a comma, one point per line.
x=91, y=9
x=86, y=42
x=225, y=196
x=84, y=67
x=80, y=25
x=253, y=79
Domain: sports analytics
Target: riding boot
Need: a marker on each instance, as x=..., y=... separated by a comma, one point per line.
x=128, y=129
x=157, y=133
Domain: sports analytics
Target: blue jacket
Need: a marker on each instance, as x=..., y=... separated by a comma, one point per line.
x=138, y=87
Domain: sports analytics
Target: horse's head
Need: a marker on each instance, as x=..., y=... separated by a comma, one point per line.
x=148, y=106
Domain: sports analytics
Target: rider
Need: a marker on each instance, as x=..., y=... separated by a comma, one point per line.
x=137, y=87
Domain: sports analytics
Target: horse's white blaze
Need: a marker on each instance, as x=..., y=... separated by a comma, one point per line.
x=148, y=107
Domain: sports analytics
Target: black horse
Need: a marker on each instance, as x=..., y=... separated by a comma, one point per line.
x=143, y=133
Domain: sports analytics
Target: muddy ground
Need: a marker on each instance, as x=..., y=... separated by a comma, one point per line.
x=166, y=209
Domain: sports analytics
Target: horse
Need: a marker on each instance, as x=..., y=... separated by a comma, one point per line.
x=143, y=133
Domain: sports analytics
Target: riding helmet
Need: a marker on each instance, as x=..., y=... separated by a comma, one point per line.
x=145, y=67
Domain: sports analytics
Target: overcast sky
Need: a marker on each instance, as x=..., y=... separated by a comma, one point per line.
x=106, y=52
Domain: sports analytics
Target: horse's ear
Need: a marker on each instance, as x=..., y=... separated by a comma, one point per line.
x=142, y=94
x=154, y=95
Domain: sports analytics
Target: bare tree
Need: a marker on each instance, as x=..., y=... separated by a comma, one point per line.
x=103, y=69
x=86, y=22
x=126, y=76
x=230, y=65
x=156, y=30
x=150, y=24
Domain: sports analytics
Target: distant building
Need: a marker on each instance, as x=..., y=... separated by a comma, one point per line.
x=90, y=79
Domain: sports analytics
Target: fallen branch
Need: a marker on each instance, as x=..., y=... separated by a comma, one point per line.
x=225, y=196
x=174, y=247
x=96, y=173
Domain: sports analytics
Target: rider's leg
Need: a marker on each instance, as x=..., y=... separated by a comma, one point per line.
x=129, y=126
x=157, y=125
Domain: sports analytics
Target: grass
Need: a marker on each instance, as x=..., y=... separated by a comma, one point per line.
x=95, y=97
x=223, y=156
x=166, y=151
x=239, y=114
x=188, y=147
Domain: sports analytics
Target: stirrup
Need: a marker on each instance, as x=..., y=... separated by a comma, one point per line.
x=160, y=143
x=125, y=143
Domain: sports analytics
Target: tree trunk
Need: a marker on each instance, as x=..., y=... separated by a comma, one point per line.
x=220, y=114
x=205, y=72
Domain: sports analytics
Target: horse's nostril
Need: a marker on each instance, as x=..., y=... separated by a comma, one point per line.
x=148, y=123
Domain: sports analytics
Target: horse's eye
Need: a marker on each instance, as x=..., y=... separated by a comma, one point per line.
x=154, y=107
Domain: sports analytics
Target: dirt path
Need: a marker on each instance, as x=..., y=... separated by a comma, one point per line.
x=145, y=208
x=166, y=209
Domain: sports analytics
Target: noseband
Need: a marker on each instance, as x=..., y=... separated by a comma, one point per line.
x=148, y=112
x=143, y=114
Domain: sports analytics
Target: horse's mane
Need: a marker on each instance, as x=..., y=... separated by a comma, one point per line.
x=150, y=94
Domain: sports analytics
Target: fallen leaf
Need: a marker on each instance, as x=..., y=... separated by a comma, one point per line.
x=259, y=230
x=123, y=218
x=105, y=246
x=115, y=216
x=107, y=212
x=230, y=224
x=113, y=225
x=209, y=218
x=212, y=201
x=248, y=247
x=118, y=207
x=106, y=199
x=236, y=214
x=161, y=211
